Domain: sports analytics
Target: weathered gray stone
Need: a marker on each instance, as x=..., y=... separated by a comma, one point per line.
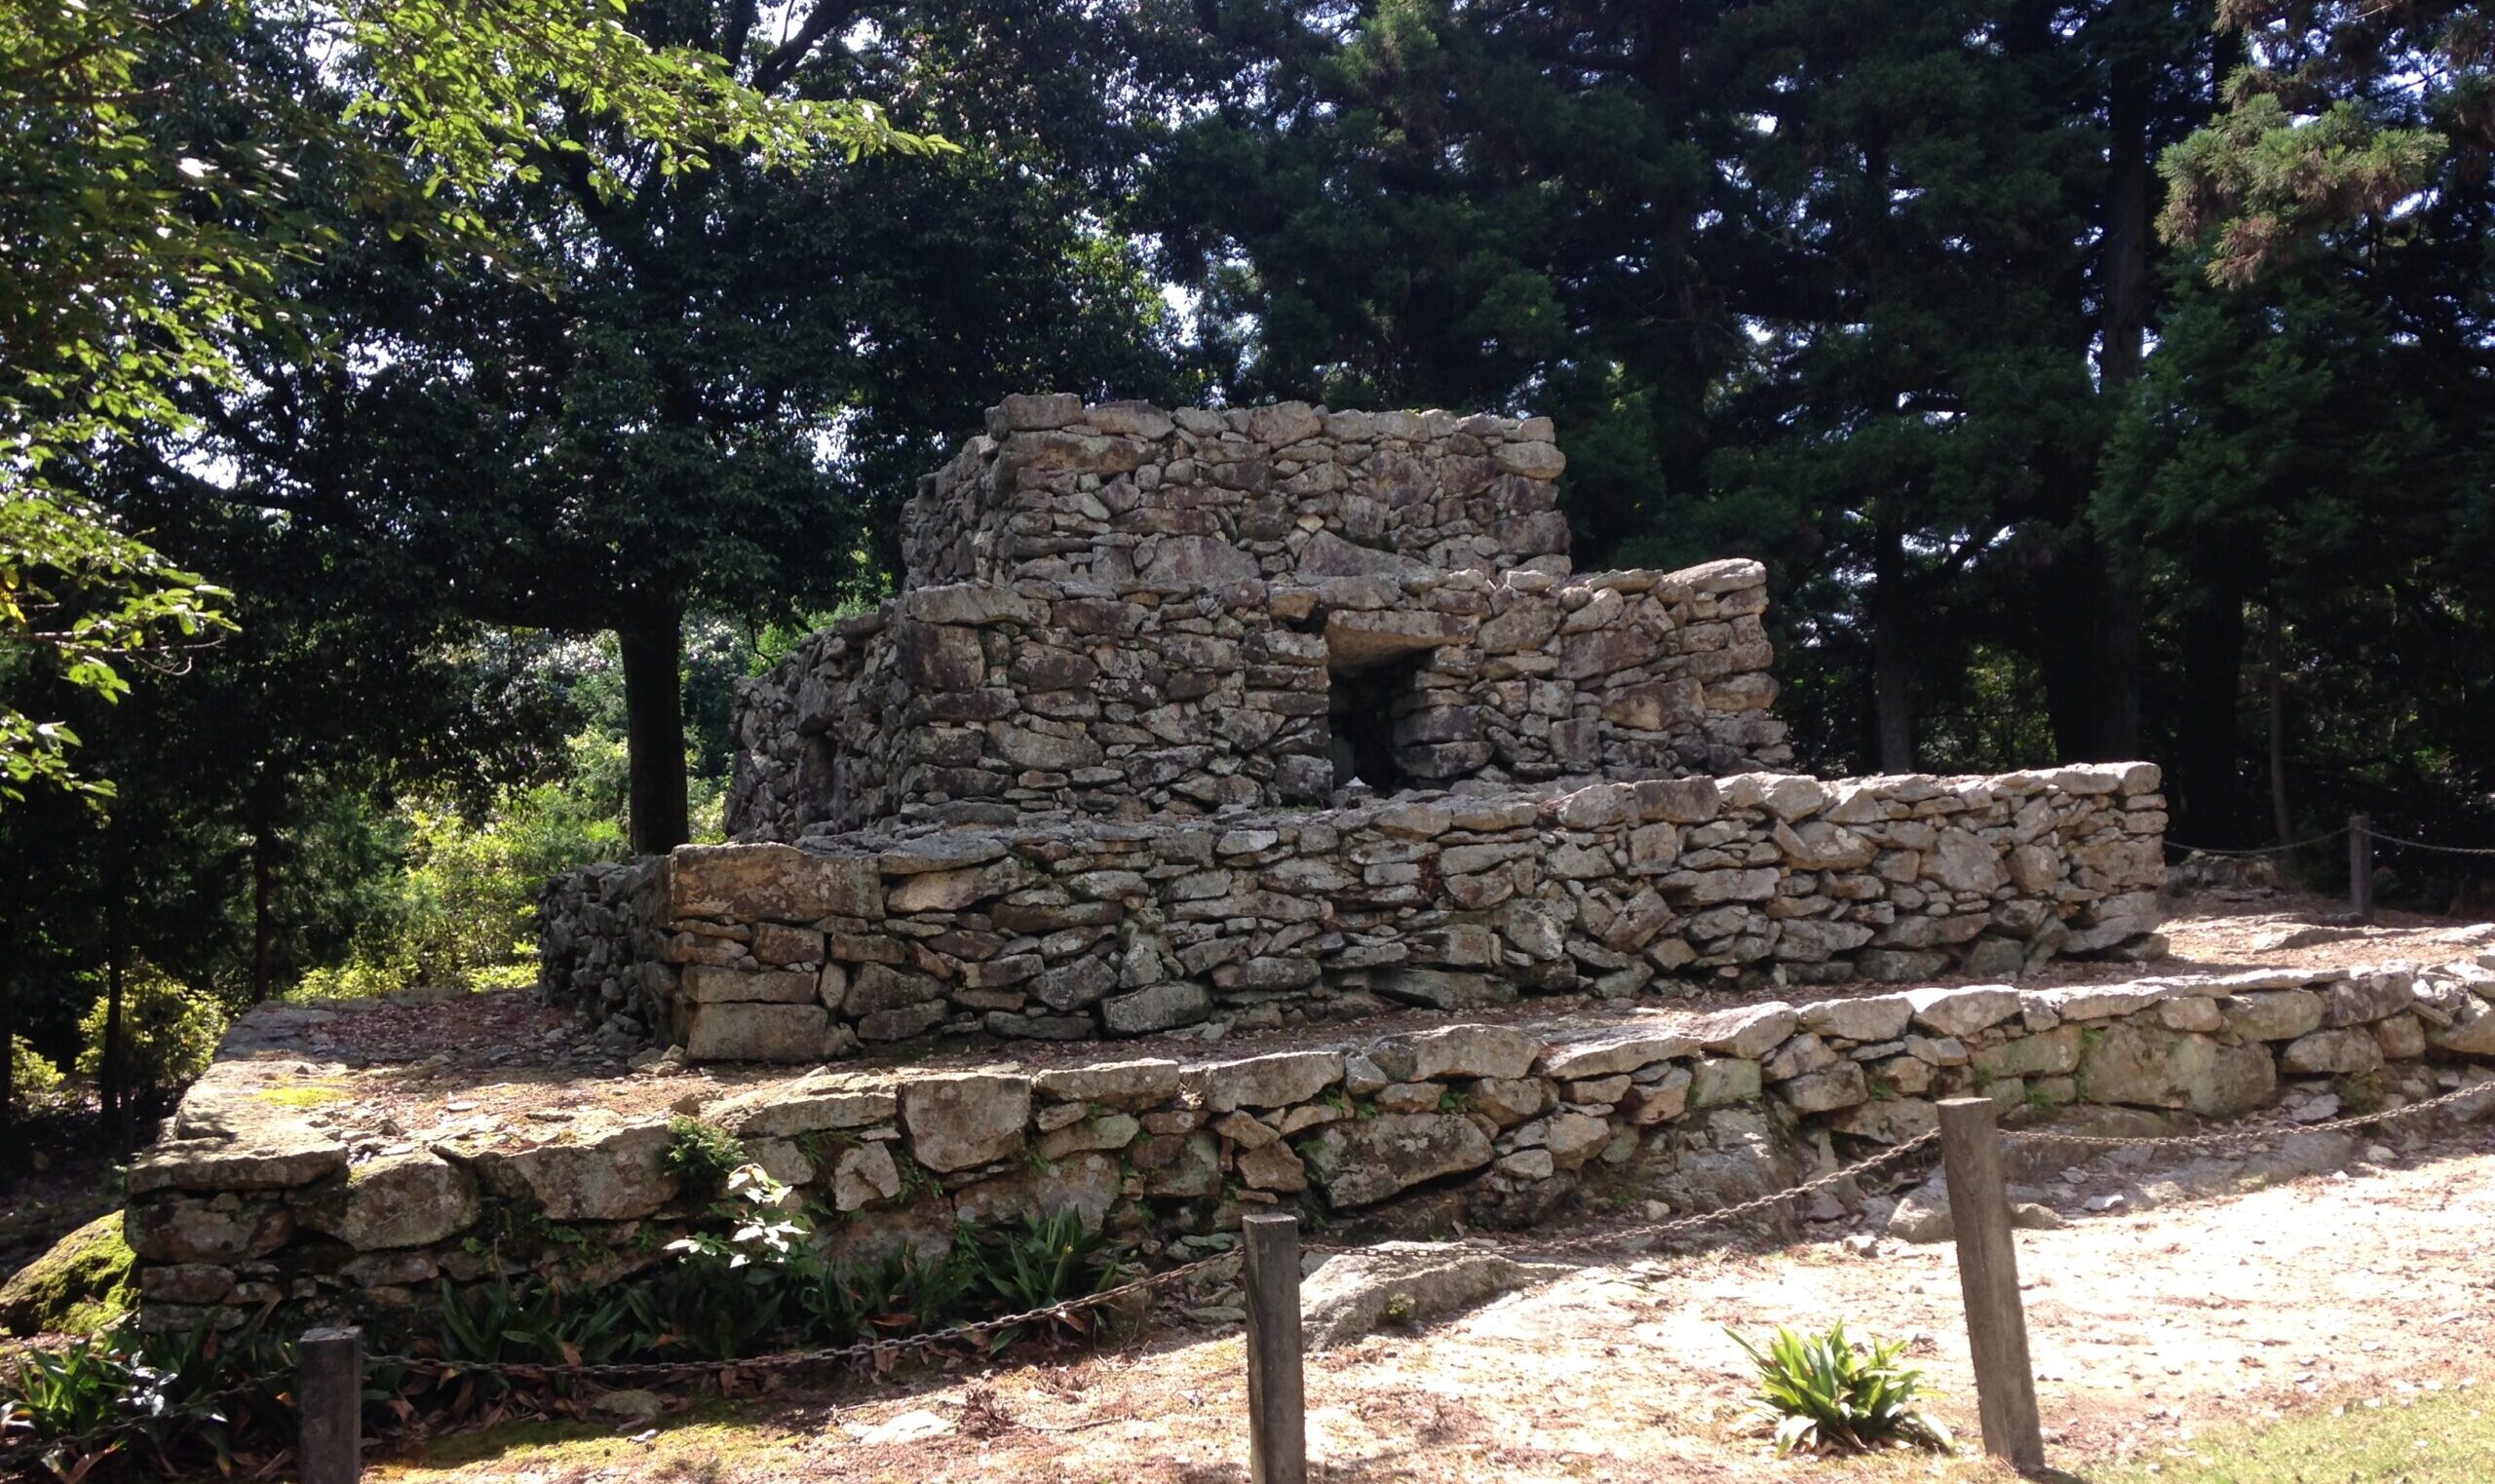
x=1364, y=1162
x=704, y=983
x=1718, y=1081
x=819, y=1103
x=757, y=1031
x=1603, y=1053
x=598, y=1172
x=2126, y=1063
x=1157, y=1008
x=1963, y=1011
x=398, y=1200
x=1126, y=1083
x=2347, y=1049
x=1750, y=1032
x=963, y=1120
x=1275, y=1080
x=1352, y=1294
x=1457, y=1050
x=2279, y=1014
x=771, y=880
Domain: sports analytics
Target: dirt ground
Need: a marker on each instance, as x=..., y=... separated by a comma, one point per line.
x=2363, y=1287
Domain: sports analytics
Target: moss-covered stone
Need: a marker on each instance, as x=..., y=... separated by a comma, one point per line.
x=81, y=1285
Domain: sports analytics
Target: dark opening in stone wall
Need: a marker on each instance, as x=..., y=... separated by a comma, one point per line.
x=1363, y=704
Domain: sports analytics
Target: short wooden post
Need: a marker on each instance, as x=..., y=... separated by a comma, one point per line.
x=1988, y=1281
x=329, y=1392
x=2361, y=868
x=1277, y=1403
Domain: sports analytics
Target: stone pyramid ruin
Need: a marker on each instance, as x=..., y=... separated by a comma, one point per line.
x=1240, y=718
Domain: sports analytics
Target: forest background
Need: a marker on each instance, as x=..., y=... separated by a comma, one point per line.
x=2098, y=380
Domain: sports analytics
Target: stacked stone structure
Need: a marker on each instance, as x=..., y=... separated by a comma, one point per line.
x=1250, y=718
x=262, y=1195
x=1120, y=612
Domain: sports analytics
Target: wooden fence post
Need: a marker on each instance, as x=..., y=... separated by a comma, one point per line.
x=2361, y=868
x=1988, y=1281
x=328, y=1392
x=1277, y=1403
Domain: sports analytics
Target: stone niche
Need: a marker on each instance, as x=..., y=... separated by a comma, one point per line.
x=1245, y=718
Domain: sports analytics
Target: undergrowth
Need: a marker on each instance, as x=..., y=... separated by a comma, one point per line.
x=756, y=1277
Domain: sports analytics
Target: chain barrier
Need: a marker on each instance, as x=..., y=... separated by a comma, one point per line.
x=2264, y=849
x=2252, y=1133
x=1595, y=1242
x=2419, y=845
x=862, y=1349
x=892, y=1348
x=96, y=1440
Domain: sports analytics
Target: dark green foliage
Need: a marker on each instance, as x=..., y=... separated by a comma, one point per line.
x=495, y=1323
x=1048, y=1260
x=177, y=1401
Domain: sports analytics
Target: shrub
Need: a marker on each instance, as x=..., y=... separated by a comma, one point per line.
x=169, y=1032
x=35, y=1086
x=1826, y=1393
x=461, y=907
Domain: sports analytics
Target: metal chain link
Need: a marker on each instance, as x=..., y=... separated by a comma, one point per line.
x=2252, y=1134
x=2420, y=845
x=1597, y=1241
x=2264, y=849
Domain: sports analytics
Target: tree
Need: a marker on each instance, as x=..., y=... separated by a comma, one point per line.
x=131, y=256
x=708, y=391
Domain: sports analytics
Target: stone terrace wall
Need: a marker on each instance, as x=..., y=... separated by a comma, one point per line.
x=773, y=952
x=1061, y=492
x=979, y=702
x=255, y=1201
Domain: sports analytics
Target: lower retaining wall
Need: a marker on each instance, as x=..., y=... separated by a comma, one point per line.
x=255, y=1201
x=1072, y=930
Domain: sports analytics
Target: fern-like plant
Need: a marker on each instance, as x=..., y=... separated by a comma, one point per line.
x=1824, y=1392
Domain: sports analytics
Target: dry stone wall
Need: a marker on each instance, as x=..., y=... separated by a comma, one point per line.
x=1061, y=492
x=255, y=1199
x=981, y=703
x=1066, y=931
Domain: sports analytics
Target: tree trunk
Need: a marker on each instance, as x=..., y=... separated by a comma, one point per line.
x=263, y=923
x=2206, y=790
x=1890, y=653
x=652, y=644
x=2129, y=204
x=110, y=1070
x=2281, y=819
x=8, y=1074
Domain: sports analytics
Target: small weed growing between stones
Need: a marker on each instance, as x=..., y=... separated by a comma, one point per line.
x=702, y=1156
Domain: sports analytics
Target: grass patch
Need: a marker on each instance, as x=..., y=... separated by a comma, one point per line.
x=2443, y=1439
x=716, y=1433
x=309, y=1095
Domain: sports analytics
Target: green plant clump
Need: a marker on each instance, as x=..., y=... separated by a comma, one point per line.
x=1825, y=1393
x=169, y=1032
x=702, y=1156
